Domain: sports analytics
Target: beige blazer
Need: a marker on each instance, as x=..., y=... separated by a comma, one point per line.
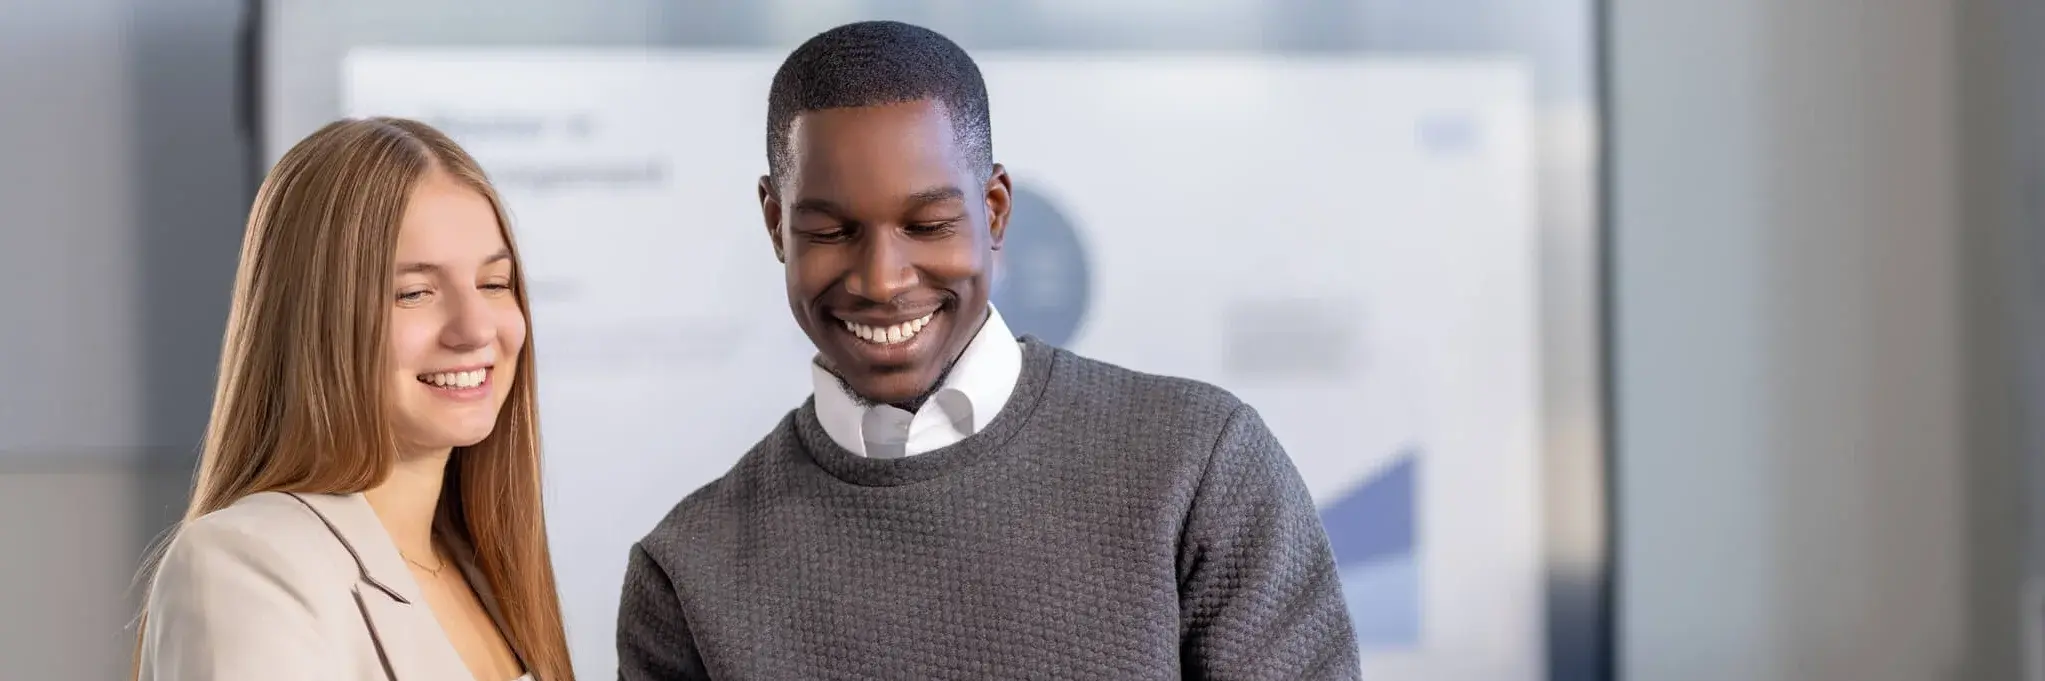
x=291, y=587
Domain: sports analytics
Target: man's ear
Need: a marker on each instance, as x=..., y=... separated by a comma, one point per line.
x=770, y=212
x=1000, y=198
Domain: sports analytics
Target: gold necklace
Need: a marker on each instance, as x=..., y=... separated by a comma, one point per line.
x=435, y=571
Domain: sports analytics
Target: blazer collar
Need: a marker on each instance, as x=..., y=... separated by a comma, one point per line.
x=353, y=522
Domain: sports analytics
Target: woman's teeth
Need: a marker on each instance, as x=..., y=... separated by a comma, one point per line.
x=456, y=379
x=887, y=335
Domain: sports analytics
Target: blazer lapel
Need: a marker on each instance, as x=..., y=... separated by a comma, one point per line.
x=413, y=646
x=412, y=650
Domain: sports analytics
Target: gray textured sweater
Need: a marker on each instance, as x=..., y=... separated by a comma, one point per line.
x=1107, y=524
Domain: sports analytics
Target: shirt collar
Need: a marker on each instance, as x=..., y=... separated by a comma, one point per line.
x=979, y=384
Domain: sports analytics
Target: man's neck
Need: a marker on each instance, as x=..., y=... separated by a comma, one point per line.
x=971, y=391
x=407, y=500
x=912, y=405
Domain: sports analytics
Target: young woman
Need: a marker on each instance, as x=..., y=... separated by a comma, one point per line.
x=368, y=502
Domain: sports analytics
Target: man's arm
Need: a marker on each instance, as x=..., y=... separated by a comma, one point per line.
x=1258, y=592
x=653, y=638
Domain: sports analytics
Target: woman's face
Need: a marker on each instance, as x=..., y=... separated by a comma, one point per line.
x=456, y=328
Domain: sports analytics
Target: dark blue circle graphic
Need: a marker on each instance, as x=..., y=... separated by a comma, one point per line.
x=1042, y=284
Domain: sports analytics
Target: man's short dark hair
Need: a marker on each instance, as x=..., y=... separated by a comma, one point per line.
x=871, y=63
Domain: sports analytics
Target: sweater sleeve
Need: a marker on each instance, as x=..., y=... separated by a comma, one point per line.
x=1259, y=595
x=653, y=637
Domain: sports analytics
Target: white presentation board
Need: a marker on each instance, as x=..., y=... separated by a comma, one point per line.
x=1349, y=244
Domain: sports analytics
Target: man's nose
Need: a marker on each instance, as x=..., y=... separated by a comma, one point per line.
x=884, y=271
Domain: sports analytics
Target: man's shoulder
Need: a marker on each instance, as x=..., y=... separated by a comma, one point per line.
x=1167, y=423
x=711, y=509
x=1104, y=385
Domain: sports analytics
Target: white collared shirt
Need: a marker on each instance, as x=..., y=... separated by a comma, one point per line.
x=974, y=391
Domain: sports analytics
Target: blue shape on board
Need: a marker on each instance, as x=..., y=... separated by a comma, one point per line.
x=1043, y=285
x=1449, y=133
x=1384, y=601
x=1375, y=519
x=1372, y=531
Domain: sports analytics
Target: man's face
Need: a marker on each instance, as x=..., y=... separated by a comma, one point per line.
x=888, y=234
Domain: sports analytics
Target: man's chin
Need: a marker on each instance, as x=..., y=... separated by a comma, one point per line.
x=904, y=382
x=894, y=390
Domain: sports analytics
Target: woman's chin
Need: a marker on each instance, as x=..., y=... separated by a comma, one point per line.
x=469, y=438
x=442, y=440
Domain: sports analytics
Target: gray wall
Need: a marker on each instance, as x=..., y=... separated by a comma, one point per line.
x=1809, y=420
x=1813, y=439
x=120, y=213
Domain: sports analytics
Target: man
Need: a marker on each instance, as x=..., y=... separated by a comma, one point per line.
x=952, y=502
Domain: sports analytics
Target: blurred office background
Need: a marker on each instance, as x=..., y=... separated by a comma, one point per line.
x=1815, y=252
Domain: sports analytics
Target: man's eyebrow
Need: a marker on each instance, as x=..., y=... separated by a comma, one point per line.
x=936, y=195
x=824, y=206
x=916, y=200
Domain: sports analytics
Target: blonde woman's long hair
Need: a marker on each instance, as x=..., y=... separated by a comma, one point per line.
x=302, y=403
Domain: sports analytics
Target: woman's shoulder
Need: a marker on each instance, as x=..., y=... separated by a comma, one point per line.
x=271, y=534
x=273, y=518
x=251, y=590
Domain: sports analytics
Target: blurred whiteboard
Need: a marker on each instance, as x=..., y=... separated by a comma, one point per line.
x=1347, y=244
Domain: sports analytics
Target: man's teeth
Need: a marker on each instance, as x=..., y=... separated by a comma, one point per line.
x=889, y=334
x=456, y=379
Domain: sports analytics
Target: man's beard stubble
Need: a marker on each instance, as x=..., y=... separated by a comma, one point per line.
x=937, y=384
